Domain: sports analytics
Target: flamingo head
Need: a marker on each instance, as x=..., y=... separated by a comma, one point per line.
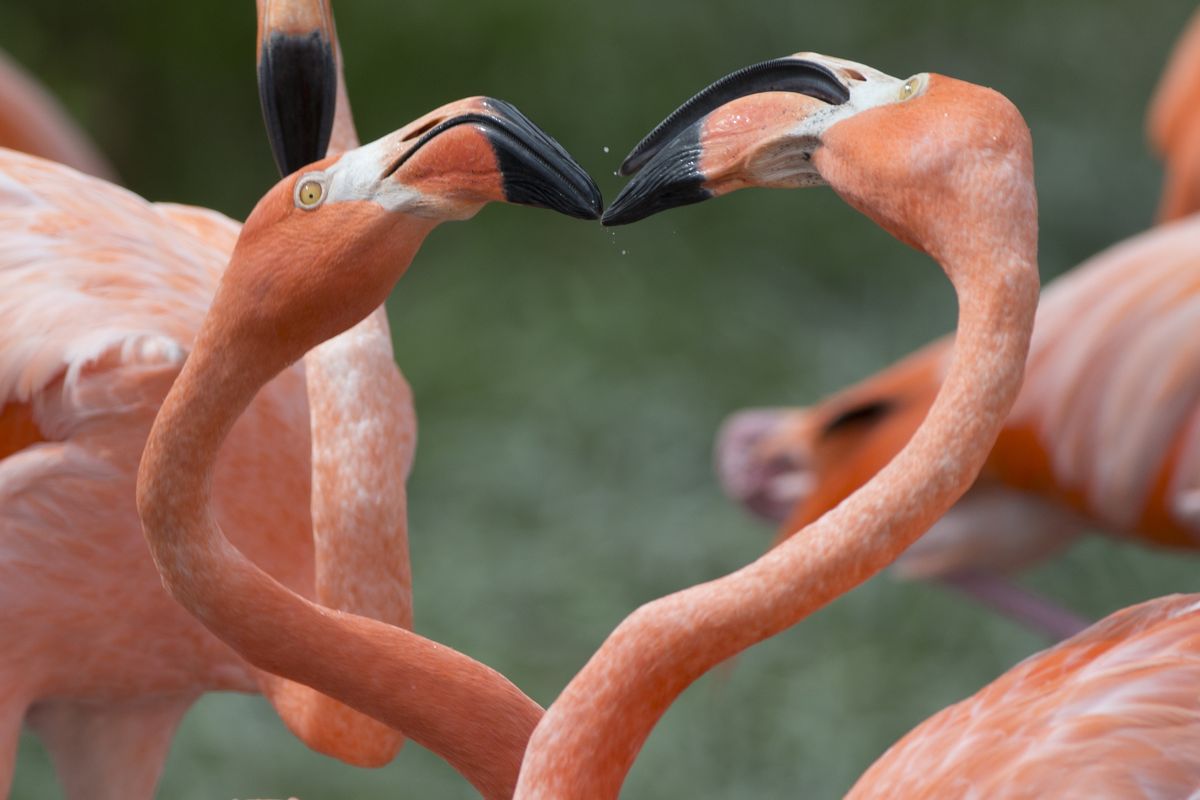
x=325, y=245
x=899, y=150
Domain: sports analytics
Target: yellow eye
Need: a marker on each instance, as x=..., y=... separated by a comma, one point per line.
x=909, y=88
x=310, y=193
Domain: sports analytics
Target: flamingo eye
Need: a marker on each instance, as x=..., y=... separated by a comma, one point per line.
x=910, y=88
x=310, y=192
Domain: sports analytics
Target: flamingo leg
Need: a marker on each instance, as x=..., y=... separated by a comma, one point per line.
x=108, y=751
x=1017, y=603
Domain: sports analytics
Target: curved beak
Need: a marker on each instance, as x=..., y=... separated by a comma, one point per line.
x=297, y=79
x=532, y=168
x=755, y=127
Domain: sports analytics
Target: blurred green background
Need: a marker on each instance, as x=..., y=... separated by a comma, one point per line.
x=569, y=379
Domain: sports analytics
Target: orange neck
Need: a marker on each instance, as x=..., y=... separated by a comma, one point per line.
x=587, y=741
x=462, y=710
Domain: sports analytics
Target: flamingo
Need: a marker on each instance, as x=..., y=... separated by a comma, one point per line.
x=945, y=167
x=32, y=121
x=102, y=296
x=1174, y=127
x=1100, y=436
x=320, y=251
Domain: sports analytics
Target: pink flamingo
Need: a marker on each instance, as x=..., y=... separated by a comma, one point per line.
x=102, y=295
x=32, y=121
x=946, y=167
x=1174, y=126
x=318, y=254
x=1100, y=435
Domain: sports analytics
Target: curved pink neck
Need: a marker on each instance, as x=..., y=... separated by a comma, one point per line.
x=363, y=433
x=588, y=739
x=465, y=712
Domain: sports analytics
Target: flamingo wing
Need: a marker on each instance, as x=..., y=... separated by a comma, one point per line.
x=93, y=279
x=1112, y=392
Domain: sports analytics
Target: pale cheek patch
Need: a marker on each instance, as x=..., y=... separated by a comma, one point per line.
x=358, y=175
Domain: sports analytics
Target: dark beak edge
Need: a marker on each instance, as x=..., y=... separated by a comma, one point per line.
x=297, y=87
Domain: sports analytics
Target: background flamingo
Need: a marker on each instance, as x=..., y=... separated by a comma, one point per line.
x=317, y=254
x=1103, y=433
x=32, y=121
x=101, y=306
x=1174, y=126
x=576, y=381
x=1112, y=712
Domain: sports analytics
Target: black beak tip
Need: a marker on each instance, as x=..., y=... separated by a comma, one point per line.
x=595, y=203
x=635, y=203
x=537, y=170
x=562, y=187
x=297, y=87
x=669, y=179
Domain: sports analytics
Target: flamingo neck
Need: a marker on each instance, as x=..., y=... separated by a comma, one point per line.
x=363, y=435
x=460, y=709
x=344, y=135
x=586, y=743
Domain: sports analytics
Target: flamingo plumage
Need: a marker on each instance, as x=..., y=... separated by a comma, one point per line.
x=1109, y=713
x=1174, y=128
x=1104, y=434
x=946, y=167
x=103, y=295
x=319, y=253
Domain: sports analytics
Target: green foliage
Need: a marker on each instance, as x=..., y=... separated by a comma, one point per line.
x=569, y=379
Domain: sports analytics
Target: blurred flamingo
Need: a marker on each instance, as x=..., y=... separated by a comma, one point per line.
x=1174, y=125
x=320, y=251
x=32, y=121
x=946, y=167
x=1104, y=433
x=102, y=295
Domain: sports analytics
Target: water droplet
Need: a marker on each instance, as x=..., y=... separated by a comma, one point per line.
x=623, y=252
x=606, y=148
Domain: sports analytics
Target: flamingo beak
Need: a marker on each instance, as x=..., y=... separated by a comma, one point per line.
x=502, y=156
x=719, y=139
x=297, y=79
x=537, y=170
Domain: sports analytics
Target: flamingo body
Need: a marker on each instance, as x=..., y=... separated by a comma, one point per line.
x=317, y=256
x=104, y=293
x=1112, y=713
x=101, y=294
